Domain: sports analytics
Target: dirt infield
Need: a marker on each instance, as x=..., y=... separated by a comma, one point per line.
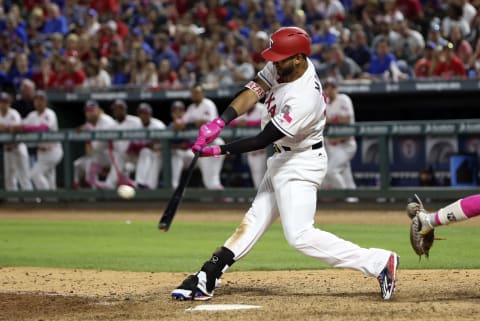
x=59, y=294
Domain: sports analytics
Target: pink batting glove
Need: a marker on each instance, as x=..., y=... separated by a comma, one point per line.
x=207, y=133
x=211, y=151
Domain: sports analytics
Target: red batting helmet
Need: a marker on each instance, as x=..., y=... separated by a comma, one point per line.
x=286, y=42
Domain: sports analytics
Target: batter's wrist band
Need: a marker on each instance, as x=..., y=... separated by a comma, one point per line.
x=256, y=88
x=229, y=114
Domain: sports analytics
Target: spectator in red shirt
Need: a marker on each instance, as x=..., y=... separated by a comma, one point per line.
x=167, y=78
x=108, y=37
x=463, y=49
x=42, y=76
x=450, y=66
x=122, y=29
x=423, y=67
x=105, y=7
x=71, y=47
x=85, y=47
x=411, y=9
x=68, y=74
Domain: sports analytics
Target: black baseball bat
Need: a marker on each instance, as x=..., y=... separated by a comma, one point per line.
x=176, y=198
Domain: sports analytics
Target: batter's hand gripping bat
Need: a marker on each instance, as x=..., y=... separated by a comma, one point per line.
x=176, y=198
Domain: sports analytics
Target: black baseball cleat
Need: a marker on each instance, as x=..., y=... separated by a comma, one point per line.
x=193, y=288
x=387, y=278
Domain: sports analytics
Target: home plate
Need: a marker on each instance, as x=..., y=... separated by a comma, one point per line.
x=222, y=307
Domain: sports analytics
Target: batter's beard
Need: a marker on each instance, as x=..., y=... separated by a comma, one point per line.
x=286, y=72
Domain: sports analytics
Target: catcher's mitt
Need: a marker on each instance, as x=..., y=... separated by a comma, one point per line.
x=421, y=243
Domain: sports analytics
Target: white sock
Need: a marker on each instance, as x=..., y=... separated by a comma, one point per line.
x=448, y=214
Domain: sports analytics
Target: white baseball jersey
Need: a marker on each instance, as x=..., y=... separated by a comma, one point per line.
x=205, y=110
x=300, y=117
x=341, y=107
x=12, y=117
x=48, y=118
x=155, y=124
x=129, y=123
x=104, y=122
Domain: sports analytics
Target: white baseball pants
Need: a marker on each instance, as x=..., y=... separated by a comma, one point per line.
x=339, y=173
x=289, y=191
x=16, y=168
x=148, y=168
x=43, y=172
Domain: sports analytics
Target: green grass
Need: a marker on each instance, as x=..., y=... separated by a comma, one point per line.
x=139, y=246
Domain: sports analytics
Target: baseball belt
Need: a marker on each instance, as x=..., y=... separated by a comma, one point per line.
x=280, y=148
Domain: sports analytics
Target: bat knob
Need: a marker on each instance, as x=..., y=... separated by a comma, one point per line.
x=163, y=227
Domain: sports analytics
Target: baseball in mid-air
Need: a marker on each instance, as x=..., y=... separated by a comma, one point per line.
x=126, y=191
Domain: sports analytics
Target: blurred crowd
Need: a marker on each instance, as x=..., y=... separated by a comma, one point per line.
x=162, y=44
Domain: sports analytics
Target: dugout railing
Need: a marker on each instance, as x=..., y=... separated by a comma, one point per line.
x=383, y=131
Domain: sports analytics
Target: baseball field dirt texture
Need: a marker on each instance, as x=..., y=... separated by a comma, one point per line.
x=35, y=293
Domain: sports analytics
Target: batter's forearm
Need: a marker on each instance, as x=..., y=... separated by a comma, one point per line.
x=243, y=102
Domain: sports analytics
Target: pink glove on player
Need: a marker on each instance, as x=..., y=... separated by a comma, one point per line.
x=207, y=133
x=211, y=151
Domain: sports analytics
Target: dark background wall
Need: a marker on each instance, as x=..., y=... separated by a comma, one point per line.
x=368, y=107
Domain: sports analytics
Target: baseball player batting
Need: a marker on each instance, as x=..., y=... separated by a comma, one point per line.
x=296, y=108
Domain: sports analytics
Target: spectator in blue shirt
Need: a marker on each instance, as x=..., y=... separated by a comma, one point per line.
x=322, y=39
x=16, y=31
x=38, y=53
x=56, y=21
x=3, y=72
x=20, y=71
x=383, y=64
x=163, y=51
x=137, y=35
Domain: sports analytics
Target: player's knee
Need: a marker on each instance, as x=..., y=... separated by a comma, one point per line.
x=296, y=238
